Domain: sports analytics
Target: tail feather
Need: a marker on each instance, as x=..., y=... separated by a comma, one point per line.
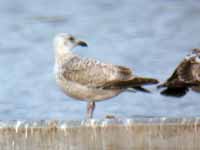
x=141, y=89
x=175, y=92
x=144, y=81
x=135, y=82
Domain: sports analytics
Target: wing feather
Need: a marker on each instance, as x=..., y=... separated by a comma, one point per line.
x=91, y=72
x=187, y=73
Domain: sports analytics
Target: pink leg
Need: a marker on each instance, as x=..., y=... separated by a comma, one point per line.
x=90, y=109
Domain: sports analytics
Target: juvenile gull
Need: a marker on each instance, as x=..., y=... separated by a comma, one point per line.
x=88, y=79
x=185, y=76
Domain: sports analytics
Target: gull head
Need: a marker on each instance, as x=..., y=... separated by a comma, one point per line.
x=194, y=56
x=196, y=51
x=64, y=41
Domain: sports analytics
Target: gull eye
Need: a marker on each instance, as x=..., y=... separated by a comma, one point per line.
x=71, y=38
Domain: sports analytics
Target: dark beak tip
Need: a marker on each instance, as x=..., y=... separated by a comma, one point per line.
x=83, y=44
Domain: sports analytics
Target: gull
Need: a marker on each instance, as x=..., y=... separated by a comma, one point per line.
x=88, y=79
x=185, y=76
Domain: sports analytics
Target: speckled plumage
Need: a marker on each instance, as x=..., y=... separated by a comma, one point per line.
x=82, y=78
x=89, y=79
x=92, y=73
x=187, y=73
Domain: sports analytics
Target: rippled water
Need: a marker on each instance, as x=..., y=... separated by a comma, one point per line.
x=149, y=36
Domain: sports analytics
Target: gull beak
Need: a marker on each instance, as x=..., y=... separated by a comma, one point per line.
x=82, y=43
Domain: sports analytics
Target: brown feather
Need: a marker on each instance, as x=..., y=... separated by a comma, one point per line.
x=137, y=81
x=183, y=75
x=124, y=70
x=175, y=92
x=187, y=73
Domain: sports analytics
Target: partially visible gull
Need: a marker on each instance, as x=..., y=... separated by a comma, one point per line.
x=88, y=79
x=186, y=75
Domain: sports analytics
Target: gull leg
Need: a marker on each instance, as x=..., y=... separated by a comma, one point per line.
x=90, y=109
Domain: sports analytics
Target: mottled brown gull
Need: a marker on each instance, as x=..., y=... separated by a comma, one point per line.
x=88, y=79
x=185, y=76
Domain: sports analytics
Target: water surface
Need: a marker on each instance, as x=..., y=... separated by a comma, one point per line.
x=149, y=36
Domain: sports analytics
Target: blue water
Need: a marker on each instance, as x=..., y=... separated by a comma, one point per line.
x=149, y=36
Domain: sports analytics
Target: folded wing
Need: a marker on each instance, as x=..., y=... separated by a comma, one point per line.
x=90, y=72
x=186, y=74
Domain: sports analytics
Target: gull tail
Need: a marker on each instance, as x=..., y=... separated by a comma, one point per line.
x=175, y=92
x=135, y=83
x=141, y=89
x=143, y=81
